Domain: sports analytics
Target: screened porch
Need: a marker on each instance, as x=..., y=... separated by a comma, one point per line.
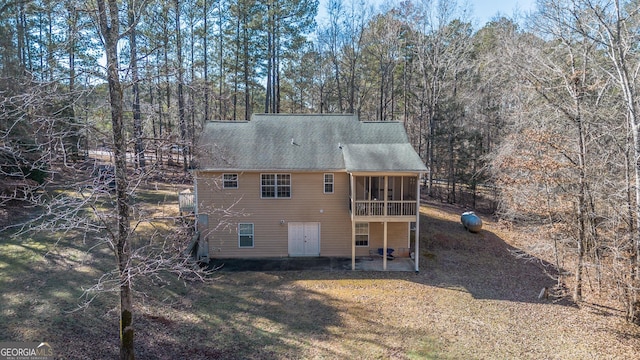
x=384, y=196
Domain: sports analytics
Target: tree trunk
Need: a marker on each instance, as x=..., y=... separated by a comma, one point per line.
x=276, y=68
x=137, y=116
x=381, y=89
x=267, y=100
x=50, y=45
x=126, y=323
x=247, y=87
x=269, y=94
x=167, y=75
x=222, y=114
x=578, y=96
x=110, y=31
x=205, y=54
x=181, y=115
x=192, y=106
x=20, y=43
x=158, y=136
x=335, y=11
x=72, y=31
x=236, y=67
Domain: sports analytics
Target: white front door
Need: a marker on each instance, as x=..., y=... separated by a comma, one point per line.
x=304, y=239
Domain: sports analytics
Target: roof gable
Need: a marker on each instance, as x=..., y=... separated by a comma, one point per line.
x=305, y=143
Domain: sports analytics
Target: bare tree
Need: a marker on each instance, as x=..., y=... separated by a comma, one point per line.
x=614, y=25
x=109, y=27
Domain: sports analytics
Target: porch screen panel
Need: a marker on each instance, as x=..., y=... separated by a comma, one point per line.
x=362, y=186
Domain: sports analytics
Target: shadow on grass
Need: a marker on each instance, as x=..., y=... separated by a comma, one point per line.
x=269, y=315
x=261, y=317
x=482, y=264
x=42, y=277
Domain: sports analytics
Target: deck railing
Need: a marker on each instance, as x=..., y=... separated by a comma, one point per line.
x=377, y=208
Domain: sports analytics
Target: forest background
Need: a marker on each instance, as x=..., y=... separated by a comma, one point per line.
x=538, y=114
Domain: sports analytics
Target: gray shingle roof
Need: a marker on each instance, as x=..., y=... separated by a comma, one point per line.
x=306, y=143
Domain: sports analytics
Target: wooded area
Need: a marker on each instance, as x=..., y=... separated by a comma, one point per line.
x=541, y=116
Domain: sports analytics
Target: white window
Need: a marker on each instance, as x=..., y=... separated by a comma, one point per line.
x=362, y=234
x=230, y=181
x=245, y=235
x=328, y=183
x=275, y=186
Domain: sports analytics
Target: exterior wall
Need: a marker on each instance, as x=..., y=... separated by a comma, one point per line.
x=397, y=238
x=308, y=203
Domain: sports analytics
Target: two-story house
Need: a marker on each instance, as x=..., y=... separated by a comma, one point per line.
x=307, y=185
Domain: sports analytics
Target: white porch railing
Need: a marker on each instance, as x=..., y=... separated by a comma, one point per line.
x=377, y=208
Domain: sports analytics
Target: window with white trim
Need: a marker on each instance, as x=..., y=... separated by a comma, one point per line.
x=275, y=186
x=362, y=234
x=229, y=181
x=245, y=235
x=328, y=183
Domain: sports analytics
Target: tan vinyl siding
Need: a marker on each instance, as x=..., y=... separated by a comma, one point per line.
x=308, y=203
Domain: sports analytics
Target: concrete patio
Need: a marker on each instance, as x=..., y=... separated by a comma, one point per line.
x=373, y=263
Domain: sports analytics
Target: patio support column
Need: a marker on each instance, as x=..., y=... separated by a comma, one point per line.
x=416, y=236
x=353, y=245
x=353, y=224
x=385, y=212
x=384, y=248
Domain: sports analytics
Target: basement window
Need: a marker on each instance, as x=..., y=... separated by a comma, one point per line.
x=362, y=234
x=245, y=235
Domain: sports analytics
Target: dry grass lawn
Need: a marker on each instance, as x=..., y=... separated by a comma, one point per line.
x=471, y=300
